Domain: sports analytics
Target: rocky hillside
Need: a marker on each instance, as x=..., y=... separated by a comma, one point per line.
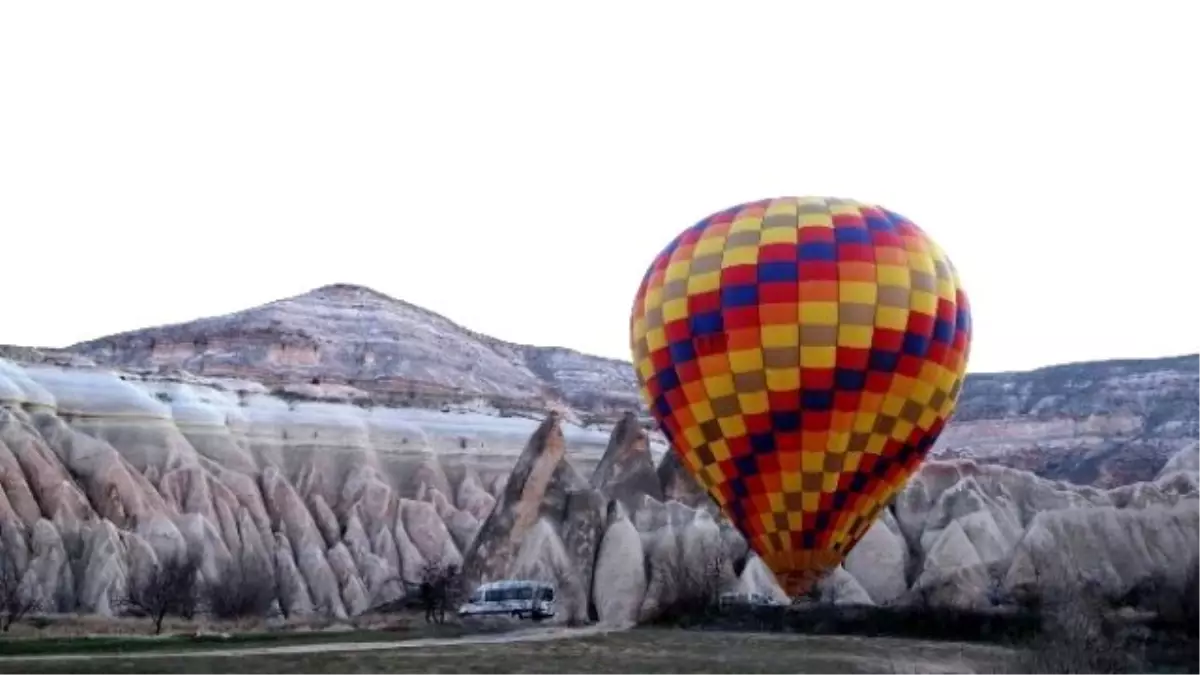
x=103, y=474
x=1103, y=423
x=334, y=505
x=348, y=342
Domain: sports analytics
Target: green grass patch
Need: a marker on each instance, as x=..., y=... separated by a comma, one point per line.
x=127, y=643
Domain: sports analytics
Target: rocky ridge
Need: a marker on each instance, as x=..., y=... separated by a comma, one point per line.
x=343, y=342
x=1105, y=423
x=102, y=477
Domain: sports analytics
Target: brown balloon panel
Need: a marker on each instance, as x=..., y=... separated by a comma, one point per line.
x=802, y=355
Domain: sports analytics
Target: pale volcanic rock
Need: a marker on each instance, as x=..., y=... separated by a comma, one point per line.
x=619, y=583
x=1187, y=460
x=546, y=525
x=626, y=471
x=353, y=592
x=473, y=498
x=103, y=568
x=16, y=387
x=1115, y=548
x=461, y=525
x=1104, y=423
x=679, y=485
x=324, y=518
x=20, y=504
x=304, y=441
x=684, y=549
x=952, y=554
x=664, y=572
x=756, y=577
x=43, y=472
x=48, y=579
x=412, y=563
x=880, y=560
x=294, y=597
x=581, y=528
x=517, y=508
x=839, y=587
x=429, y=534
x=356, y=541
x=354, y=340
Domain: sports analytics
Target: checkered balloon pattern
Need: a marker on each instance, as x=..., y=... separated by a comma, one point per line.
x=802, y=355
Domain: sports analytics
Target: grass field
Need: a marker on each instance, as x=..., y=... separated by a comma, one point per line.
x=889, y=640
x=107, y=644
x=641, y=650
x=75, y=636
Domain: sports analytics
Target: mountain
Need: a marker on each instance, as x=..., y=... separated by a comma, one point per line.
x=292, y=446
x=1105, y=423
x=350, y=341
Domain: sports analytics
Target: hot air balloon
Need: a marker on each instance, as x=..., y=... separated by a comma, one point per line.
x=801, y=355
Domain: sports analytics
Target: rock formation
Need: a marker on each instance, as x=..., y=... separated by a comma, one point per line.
x=352, y=343
x=626, y=471
x=104, y=475
x=298, y=439
x=1105, y=423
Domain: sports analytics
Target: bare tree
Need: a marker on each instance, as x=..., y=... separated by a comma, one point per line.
x=15, y=601
x=697, y=589
x=449, y=590
x=436, y=591
x=1077, y=634
x=169, y=588
x=246, y=588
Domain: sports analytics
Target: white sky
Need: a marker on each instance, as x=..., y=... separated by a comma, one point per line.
x=516, y=166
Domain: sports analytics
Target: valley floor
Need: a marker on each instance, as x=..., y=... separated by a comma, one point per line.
x=554, y=650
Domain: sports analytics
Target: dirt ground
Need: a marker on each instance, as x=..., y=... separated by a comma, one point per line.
x=563, y=650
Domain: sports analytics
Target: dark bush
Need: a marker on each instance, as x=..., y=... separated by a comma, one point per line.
x=246, y=587
x=15, y=601
x=696, y=594
x=169, y=588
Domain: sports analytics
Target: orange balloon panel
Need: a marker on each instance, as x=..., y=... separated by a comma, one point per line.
x=802, y=355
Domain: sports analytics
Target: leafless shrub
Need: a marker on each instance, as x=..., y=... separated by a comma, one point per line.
x=697, y=591
x=1078, y=632
x=169, y=588
x=16, y=601
x=1172, y=601
x=245, y=588
x=441, y=587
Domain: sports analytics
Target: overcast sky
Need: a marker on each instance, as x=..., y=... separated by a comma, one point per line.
x=516, y=166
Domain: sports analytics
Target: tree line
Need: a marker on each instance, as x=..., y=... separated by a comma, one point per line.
x=246, y=587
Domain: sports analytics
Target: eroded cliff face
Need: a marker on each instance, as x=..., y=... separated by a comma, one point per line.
x=1105, y=423
x=345, y=441
x=103, y=475
x=344, y=342
x=961, y=534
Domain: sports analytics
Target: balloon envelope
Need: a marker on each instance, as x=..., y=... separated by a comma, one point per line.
x=802, y=355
